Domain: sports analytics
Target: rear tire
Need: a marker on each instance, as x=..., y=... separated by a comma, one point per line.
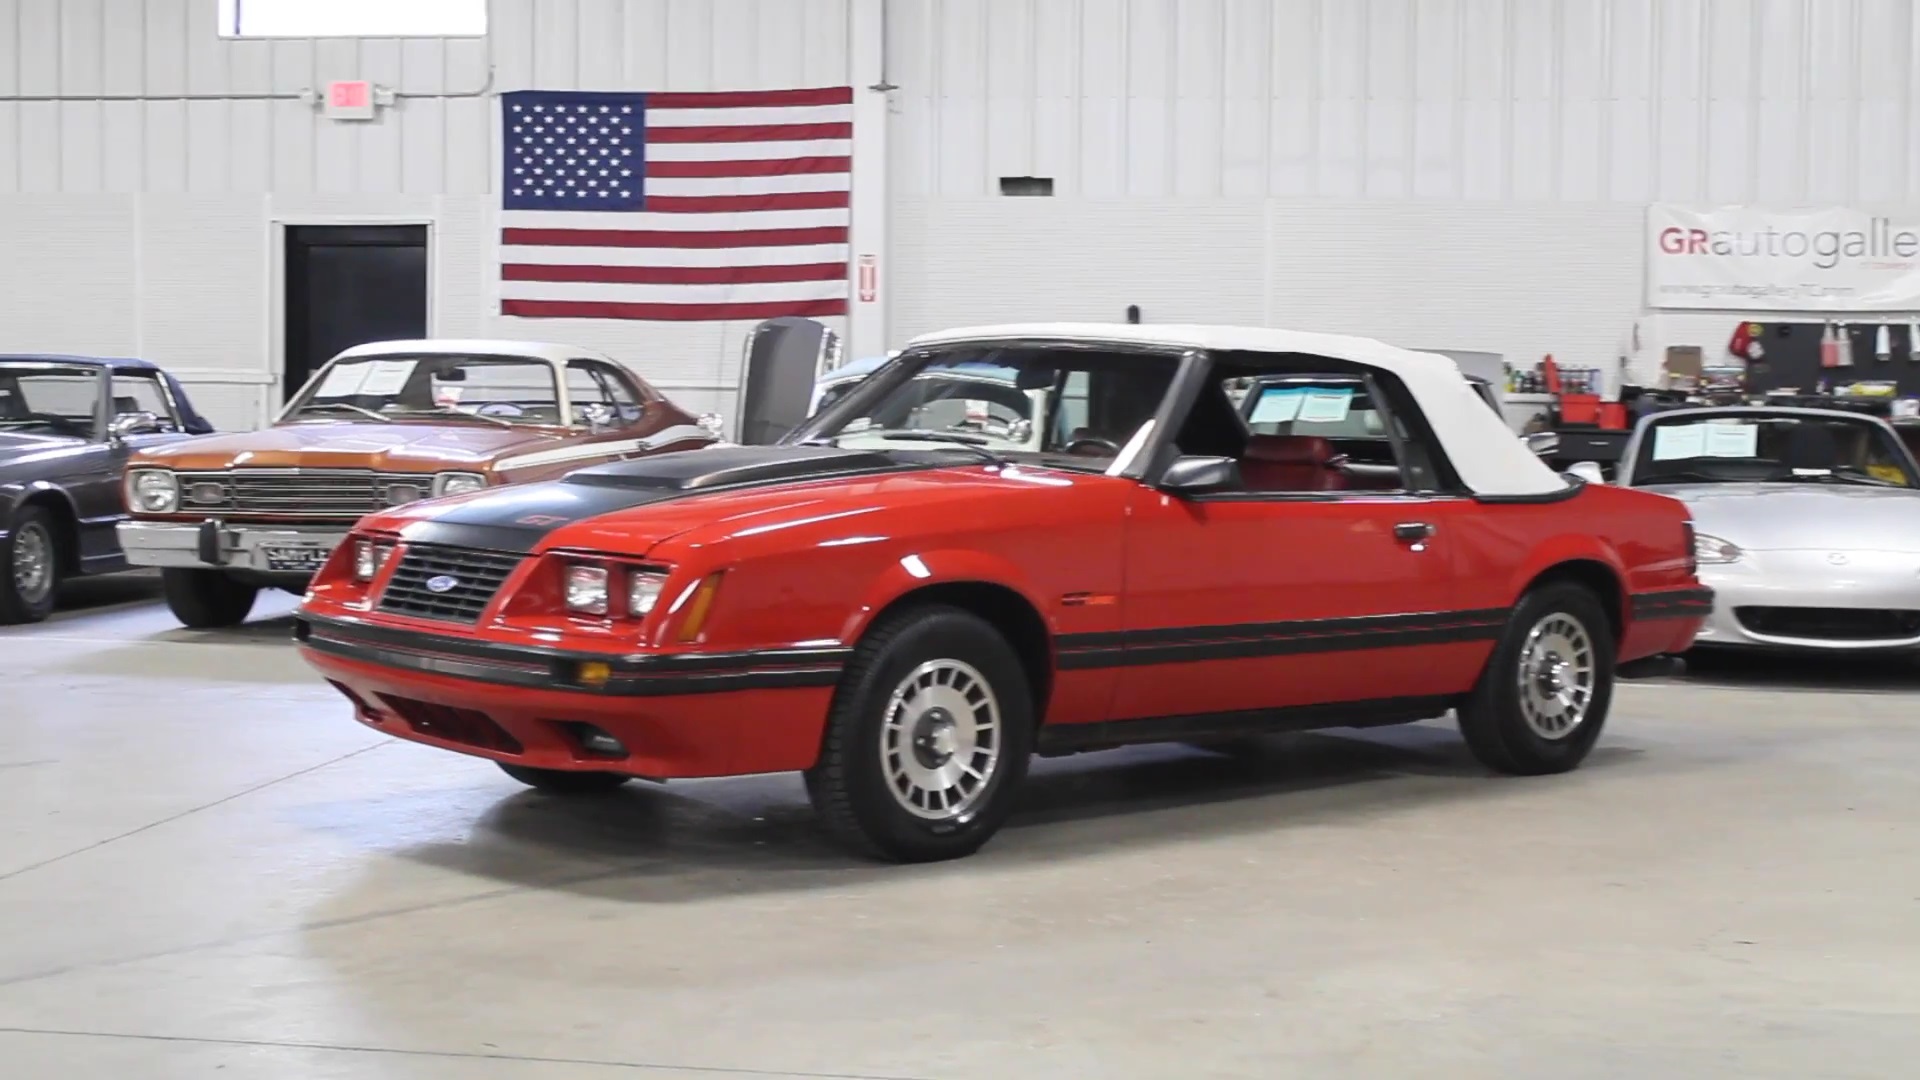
x=29, y=566
x=1543, y=699
x=564, y=781
x=927, y=740
x=206, y=599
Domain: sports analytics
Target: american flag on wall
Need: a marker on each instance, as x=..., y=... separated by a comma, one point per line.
x=705, y=206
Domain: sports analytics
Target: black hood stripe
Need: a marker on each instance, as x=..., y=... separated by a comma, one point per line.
x=518, y=517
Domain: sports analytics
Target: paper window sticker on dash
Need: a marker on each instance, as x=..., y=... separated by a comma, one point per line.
x=1732, y=440
x=344, y=380
x=1325, y=406
x=1276, y=406
x=388, y=377
x=447, y=393
x=1672, y=442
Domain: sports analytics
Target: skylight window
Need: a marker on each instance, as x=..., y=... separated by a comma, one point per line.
x=352, y=18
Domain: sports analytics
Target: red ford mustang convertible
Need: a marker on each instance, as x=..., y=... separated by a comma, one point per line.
x=1018, y=540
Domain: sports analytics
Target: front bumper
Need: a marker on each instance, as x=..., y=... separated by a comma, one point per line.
x=677, y=715
x=1801, y=584
x=269, y=549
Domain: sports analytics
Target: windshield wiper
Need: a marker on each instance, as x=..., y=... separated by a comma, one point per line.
x=448, y=410
x=969, y=442
x=383, y=418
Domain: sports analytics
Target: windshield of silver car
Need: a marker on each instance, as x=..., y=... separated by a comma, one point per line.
x=59, y=399
x=1066, y=408
x=501, y=390
x=1770, y=448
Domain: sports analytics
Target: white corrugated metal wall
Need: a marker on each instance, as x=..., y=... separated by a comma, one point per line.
x=146, y=224
x=1449, y=173
x=1441, y=173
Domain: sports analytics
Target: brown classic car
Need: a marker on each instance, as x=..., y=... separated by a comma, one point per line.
x=381, y=425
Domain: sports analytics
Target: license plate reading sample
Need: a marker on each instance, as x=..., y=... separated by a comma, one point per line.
x=301, y=559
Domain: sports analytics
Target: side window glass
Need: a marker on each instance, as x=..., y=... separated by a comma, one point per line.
x=142, y=393
x=593, y=383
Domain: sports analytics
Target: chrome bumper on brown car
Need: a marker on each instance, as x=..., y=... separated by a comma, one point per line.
x=268, y=549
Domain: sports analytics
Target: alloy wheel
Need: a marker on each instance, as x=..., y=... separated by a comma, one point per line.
x=940, y=740
x=32, y=559
x=1557, y=670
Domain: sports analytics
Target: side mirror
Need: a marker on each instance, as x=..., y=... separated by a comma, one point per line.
x=1199, y=475
x=133, y=423
x=1544, y=444
x=1589, y=471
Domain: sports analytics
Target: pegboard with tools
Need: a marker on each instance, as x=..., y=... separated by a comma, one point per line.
x=1801, y=355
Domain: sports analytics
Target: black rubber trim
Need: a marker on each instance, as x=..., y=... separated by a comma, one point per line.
x=1573, y=488
x=1240, y=641
x=630, y=675
x=1057, y=739
x=1672, y=604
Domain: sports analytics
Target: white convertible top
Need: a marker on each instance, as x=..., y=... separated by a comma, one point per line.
x=1483, y=450
x=550, y=351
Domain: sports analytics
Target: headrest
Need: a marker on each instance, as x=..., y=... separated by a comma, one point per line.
x=1289, y=449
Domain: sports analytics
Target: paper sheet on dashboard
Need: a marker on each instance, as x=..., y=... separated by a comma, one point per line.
x=1732, y=440
x=1325, y=406
x=388, y=377
x=1675, y=441
x=343, y=381
x=1276, y=406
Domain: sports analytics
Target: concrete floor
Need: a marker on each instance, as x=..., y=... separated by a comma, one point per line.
x=207, y=868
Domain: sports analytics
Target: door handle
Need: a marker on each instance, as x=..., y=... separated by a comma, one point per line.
x=1411, y=531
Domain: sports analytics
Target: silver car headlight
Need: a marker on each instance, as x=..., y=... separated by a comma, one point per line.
x=153, y=490
x=1713, y=551
x=457, y=483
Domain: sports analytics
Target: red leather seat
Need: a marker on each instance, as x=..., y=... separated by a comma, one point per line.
x=1290, y=463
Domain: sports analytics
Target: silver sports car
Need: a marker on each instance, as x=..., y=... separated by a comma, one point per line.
x=1807, y=523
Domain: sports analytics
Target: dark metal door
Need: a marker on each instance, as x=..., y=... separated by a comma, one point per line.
x=348, y=285
x=784, y=357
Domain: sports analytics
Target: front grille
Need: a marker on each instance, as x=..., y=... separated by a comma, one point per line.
x=469, y=726
x=1829, y=624
x=313, y=493
x=475, y=577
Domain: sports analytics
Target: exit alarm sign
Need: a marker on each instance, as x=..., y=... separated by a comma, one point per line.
x=350, y=100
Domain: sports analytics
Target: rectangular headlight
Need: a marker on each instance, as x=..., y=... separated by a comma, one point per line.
x=587, y=589
x=457, y=483
x=643, y=591
x=153, y=490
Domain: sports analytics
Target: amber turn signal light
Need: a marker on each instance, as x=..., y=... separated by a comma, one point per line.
x=698, y=609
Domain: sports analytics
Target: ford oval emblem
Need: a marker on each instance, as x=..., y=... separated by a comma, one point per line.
x=442, y=583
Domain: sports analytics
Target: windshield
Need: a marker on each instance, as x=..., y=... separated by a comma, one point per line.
x=497, y=389
x=53, y=398
x=1067, y=409
x=1770, y=448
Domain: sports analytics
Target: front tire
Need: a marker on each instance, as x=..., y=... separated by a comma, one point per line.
x=29, y=567
x=206, y=599
x=928, y=738
x=1543, y=698
x=564, y=781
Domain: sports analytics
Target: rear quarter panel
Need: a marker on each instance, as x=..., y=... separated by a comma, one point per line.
x=1639, y=537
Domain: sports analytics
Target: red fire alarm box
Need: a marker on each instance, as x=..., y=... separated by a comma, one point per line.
x=350, y=100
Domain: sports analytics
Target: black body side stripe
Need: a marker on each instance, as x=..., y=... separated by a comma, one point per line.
x=1241, y=641
x=634, y=675
x=1672, y=604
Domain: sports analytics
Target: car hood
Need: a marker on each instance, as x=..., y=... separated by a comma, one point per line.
x=1783, y=517
x=15, y=445
x=402, y=446
x=811, y=495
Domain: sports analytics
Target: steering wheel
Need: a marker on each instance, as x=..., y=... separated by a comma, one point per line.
x=1105, y=446
x=500, y=408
